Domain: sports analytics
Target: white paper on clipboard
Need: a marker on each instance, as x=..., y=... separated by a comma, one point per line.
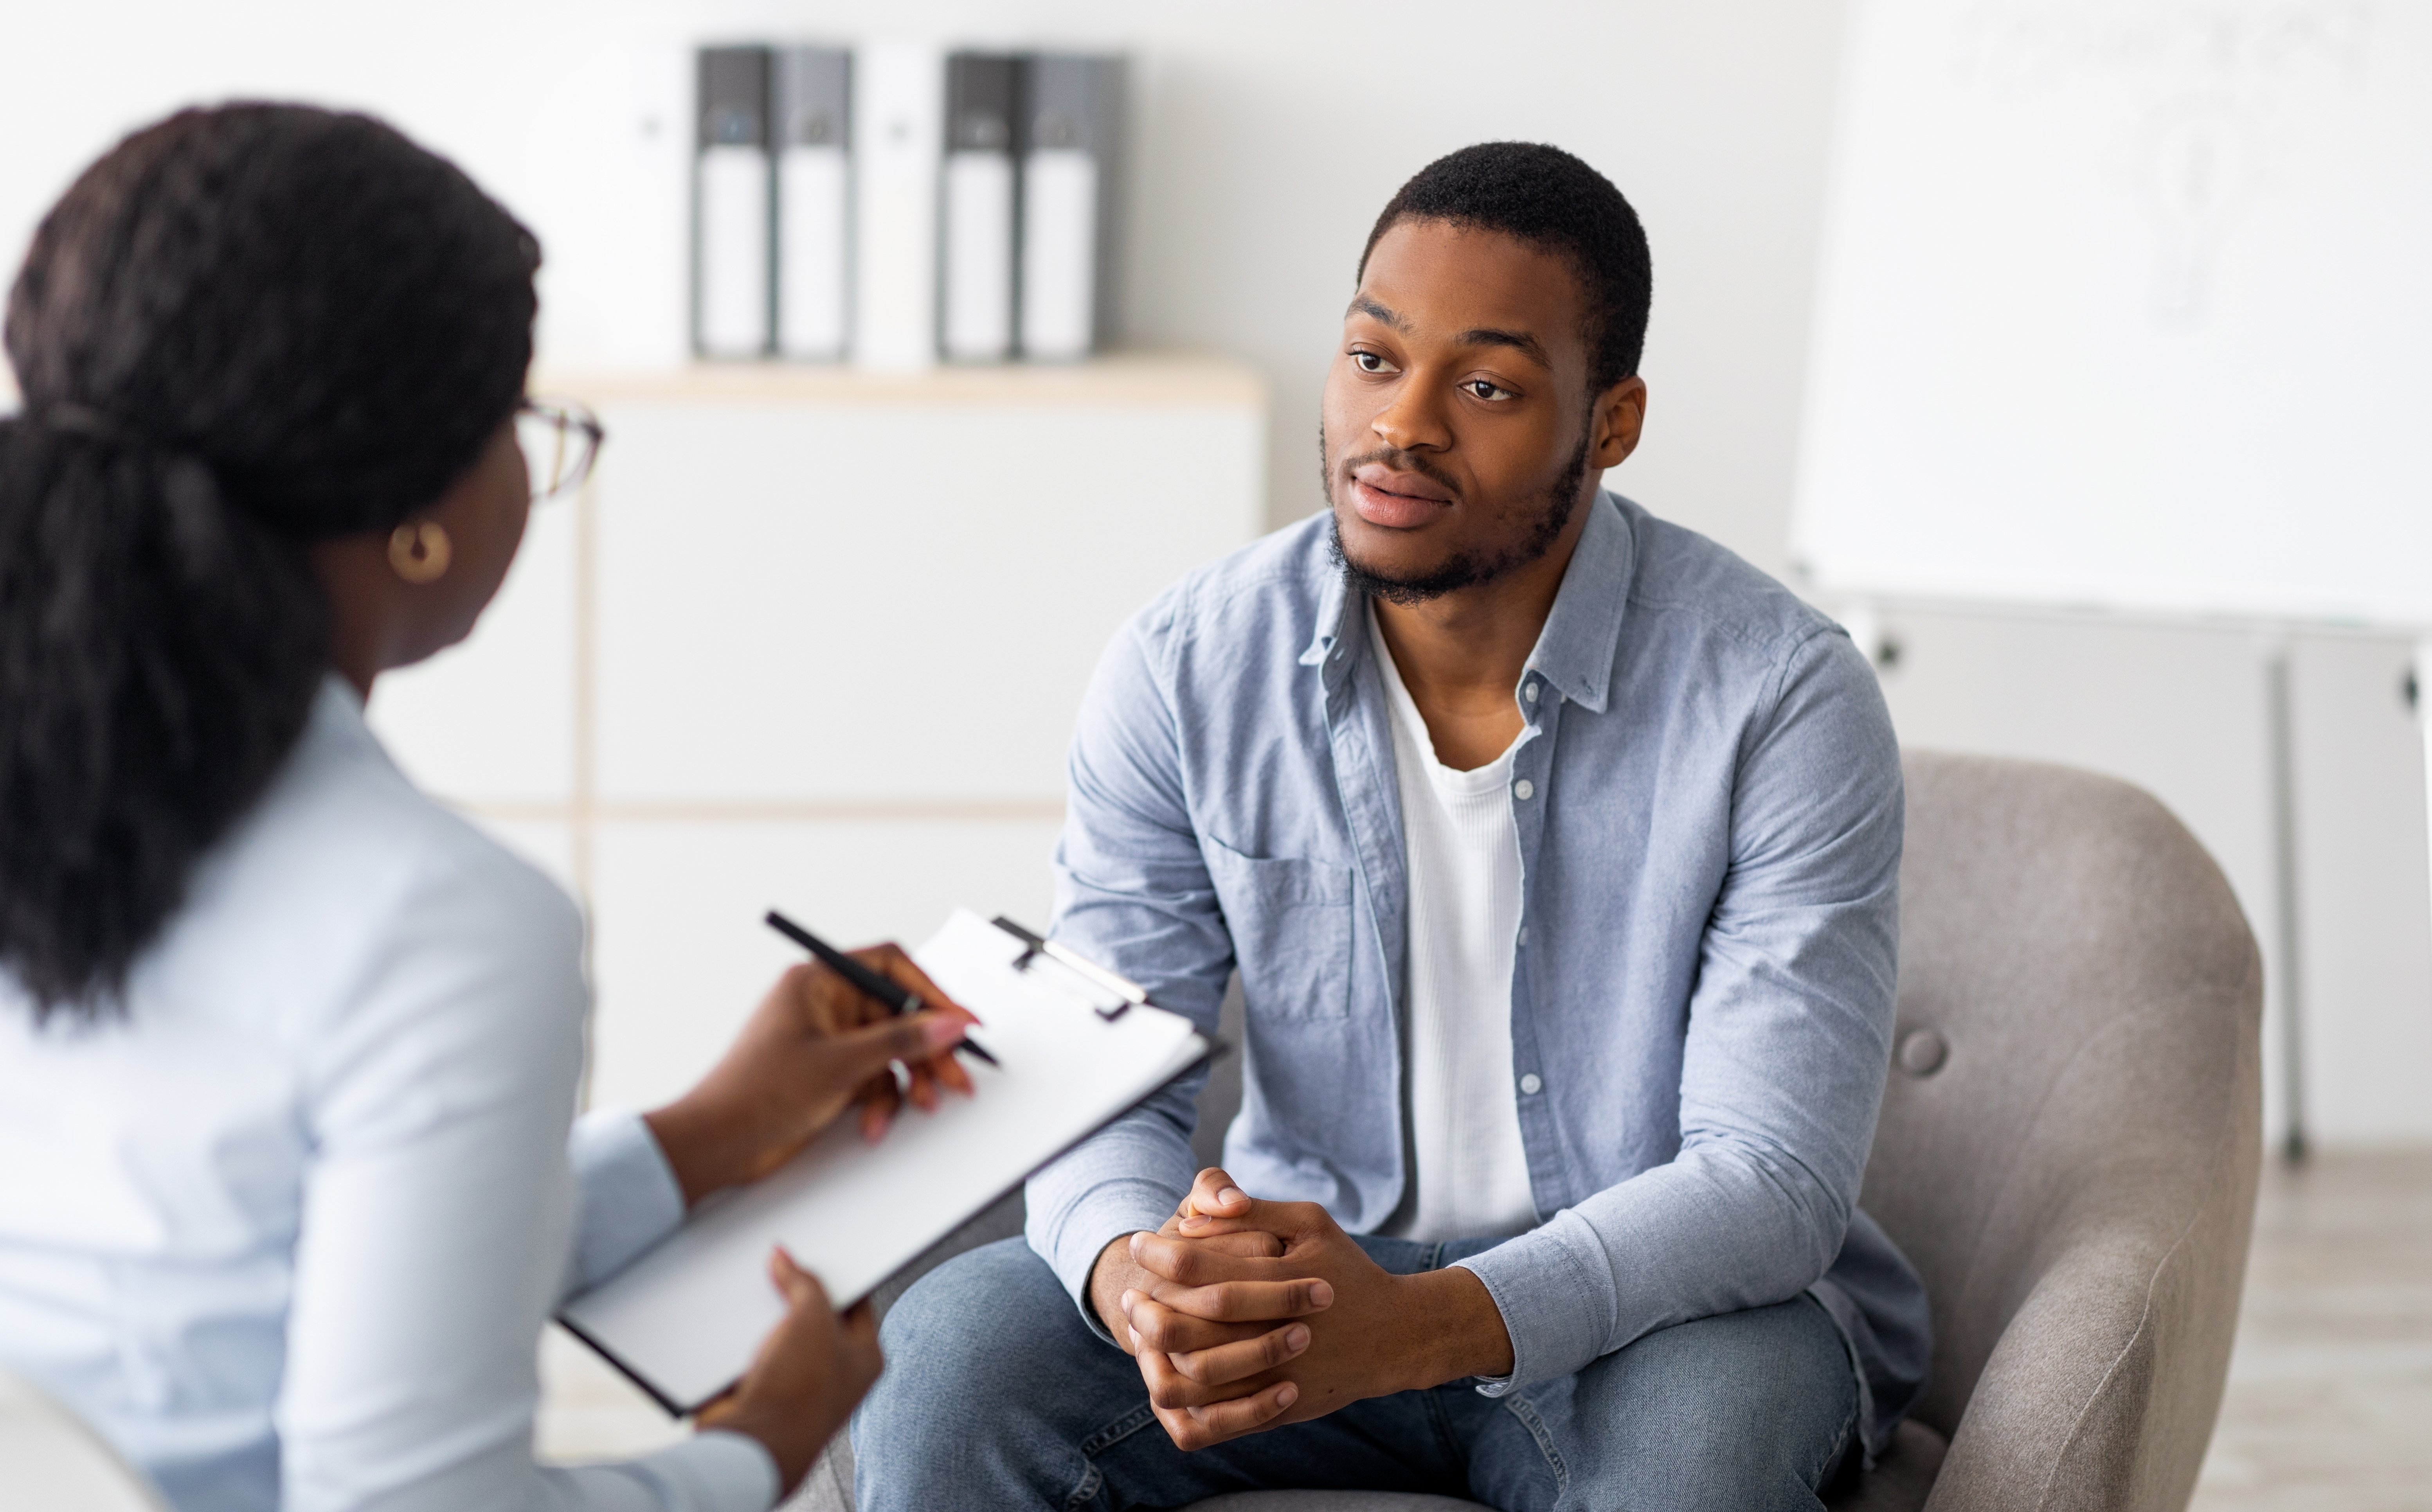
x=685, y=1319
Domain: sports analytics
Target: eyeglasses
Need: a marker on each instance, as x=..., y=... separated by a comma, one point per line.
x=561, y=440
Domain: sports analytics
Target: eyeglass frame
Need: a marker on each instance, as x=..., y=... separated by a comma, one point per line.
x=570, y=418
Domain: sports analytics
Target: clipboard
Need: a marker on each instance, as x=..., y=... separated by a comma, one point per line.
x=1080, y=1048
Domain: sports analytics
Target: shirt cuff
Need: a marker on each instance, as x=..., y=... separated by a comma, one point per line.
x=716, y=1470
x=1555, y=1305
x=628, y=1197
x=1082, y=1231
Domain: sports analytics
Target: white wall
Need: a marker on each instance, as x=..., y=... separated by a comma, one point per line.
x=1268, y=133
x=2179, y=709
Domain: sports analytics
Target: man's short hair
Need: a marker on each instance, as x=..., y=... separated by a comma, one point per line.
x=1545, y=196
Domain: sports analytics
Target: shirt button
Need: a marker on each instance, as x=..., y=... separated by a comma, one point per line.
x=1523, y=933
x=1532, y=1083
x=1524, y=790
x=1529, y=692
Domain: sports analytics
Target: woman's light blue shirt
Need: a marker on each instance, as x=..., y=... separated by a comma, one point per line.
x=287, y=1233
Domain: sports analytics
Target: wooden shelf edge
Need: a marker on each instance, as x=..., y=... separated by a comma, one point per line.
x=1157, y=379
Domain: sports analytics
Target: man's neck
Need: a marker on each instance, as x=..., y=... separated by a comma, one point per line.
x=1461, y=655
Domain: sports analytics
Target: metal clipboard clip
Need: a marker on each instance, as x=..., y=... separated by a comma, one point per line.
x=1034, y=946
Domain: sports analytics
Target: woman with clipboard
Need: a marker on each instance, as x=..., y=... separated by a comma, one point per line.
x=288, y=1053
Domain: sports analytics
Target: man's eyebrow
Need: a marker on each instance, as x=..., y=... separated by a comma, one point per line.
x=1519, y=341
x=1362, y=305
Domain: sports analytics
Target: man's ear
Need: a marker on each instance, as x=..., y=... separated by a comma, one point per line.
x=1616, y=418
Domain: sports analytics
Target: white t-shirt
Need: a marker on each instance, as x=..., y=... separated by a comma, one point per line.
x=1470, y=1175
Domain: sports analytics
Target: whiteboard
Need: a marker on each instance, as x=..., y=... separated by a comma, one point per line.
x=2128, y=304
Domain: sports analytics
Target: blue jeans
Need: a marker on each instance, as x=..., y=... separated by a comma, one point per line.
x=997, y=1395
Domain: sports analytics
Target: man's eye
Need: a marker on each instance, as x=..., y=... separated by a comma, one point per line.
x=1487, y=389
x=1369, y=362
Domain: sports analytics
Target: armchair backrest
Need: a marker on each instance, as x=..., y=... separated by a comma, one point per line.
x=2072, y=1132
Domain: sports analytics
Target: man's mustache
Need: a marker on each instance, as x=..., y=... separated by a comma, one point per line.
x=1402, y=462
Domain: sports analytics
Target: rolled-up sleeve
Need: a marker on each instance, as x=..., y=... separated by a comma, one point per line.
x=1788, y=1040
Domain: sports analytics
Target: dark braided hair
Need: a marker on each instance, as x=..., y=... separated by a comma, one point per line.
x=1545, y=196
x=243, y=330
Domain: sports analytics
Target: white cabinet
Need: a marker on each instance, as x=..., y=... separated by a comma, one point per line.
x=814, y=639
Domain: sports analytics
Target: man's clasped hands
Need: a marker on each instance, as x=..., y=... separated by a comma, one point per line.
x=1247, y=1314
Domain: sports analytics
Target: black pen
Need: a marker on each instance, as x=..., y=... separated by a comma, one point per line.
x=898, y=997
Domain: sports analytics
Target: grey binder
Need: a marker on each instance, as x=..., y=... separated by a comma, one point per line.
x=813, y=117
x=732, y=189
x=976, y=267
x=1071, y=142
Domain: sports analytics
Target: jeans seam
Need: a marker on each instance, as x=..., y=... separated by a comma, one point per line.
x=1092, y=1480
x=1518, y=1406
x=1091, y=1483
x=1119, y=1430
x=1839, y=1447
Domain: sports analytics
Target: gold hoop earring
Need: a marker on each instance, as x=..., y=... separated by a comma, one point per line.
x=420, y=551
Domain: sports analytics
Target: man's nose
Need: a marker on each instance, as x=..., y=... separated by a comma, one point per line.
x=1412, y=420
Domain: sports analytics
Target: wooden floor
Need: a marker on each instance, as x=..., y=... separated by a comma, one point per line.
x=2329, y=1406
x=2330, y=1389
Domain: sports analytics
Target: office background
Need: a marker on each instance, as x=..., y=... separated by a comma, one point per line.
x=842, y=553
x=1265, y=135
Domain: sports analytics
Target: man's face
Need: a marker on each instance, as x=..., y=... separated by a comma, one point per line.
x=1459, y=428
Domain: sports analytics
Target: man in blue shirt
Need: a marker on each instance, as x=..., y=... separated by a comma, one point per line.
x=1558, y=850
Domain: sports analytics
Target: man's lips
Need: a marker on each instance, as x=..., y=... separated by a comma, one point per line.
x=1394, y=499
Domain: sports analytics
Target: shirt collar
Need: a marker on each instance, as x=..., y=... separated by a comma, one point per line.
x=1575, y=650
x=1332, y=598
x=339, y=721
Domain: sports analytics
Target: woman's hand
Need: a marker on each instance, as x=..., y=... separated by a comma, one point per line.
x=810, y=1372
x=816, y=1046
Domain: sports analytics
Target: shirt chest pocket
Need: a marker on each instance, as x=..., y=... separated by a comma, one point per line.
x=1290, y=923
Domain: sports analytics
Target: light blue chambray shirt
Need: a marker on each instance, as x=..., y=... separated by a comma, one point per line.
x=1708, y=805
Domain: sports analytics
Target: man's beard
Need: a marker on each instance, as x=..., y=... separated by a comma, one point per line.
x=1463, y=569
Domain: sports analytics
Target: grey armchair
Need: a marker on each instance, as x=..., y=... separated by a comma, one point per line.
x=2068, y=1150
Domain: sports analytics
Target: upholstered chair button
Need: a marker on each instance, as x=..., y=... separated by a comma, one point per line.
x=1922, y=1052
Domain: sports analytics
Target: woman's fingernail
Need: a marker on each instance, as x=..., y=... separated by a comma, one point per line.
x=1298, y=1339
x=1287, y=1395
x=1231, y=1195
x=944, y=1032
x=1320, y=1294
